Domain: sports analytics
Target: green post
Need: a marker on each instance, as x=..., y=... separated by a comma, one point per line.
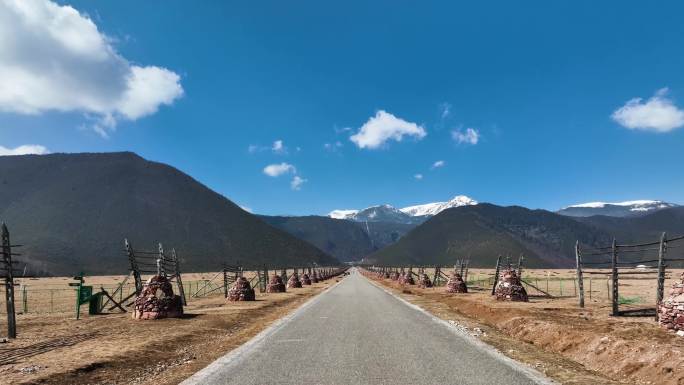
x=79, y=295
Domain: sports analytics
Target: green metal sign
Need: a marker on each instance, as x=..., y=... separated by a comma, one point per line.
x=84, y=294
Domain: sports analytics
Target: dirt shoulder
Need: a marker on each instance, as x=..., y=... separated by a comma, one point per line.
x=568, y=344
x=115, y=349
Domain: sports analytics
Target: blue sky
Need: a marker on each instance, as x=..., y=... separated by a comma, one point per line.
x=524, y=103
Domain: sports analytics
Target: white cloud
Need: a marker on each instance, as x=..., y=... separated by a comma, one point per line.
x=657, y=114
x=445, y=110
x=248, y=209
x=418, y=176
x=438, y=164
x=470, y=136
x=297, y=183
x=332, y=147
x=384, y=127
x=278, y=147
x=55, y=59
x=275, y=170
x=26, y=149
x=342, y=130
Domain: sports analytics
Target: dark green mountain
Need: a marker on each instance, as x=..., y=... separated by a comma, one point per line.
x=344, y=239
x=641, y=229
x=384, y=234
x=72, y=212
x=484, y=231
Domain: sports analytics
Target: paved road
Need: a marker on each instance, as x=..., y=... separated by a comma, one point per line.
x=356, y=333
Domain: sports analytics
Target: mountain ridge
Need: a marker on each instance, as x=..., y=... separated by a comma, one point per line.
x=616, y=209
x=72, y=212
x=409, y=215
x=484, y=231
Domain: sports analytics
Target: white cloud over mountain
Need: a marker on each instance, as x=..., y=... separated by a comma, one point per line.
x=26, y=149
x=54, y=58
x=384, y=127
x=277, y=169
x=658, y=114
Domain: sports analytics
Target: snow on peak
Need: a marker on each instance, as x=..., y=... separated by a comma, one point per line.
x=435, y=208
x=342, y=214
x=636, y=205
x=389, y=213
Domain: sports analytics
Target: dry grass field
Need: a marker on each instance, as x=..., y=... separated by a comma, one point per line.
x=55, y=348
x=570, y=344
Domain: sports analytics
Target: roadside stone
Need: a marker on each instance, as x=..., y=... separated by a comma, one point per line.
x=241, y=291
x=671, y=309
x=275, y=285
x=157, y=300
x=455, y=284
x=424, y=281
x=509, y=287
x=294, y=282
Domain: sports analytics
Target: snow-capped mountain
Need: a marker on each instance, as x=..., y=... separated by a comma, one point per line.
x=382, y=213
x=342, y=214
x=435, y=208
x=408, y=215
x=616, y=209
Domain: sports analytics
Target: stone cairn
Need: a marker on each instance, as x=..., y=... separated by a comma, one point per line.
x=294, y=282
x=156, y=300
x=275, y=285
x=407, y=279
x=305, y=279
x=241, y=291
x=424, y=281
x=455, y=284
x=509, y=287
x=671, y=309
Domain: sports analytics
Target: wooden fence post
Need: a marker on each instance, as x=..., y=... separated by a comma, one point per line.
x=465, y=276
x=580, y=280
x=9, y=283
x=179, y=280
x=225, y=282
x=435, y=280
x=161, y=260
x=24, y=299
x=134, y=267
x=496, y=274
x=661, y=272
x=264, y=284
x=616, y=296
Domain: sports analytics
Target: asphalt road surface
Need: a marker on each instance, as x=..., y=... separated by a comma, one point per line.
x=357, y=333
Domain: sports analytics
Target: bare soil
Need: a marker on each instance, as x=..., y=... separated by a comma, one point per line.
x=568, y=344
x=115, y=349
